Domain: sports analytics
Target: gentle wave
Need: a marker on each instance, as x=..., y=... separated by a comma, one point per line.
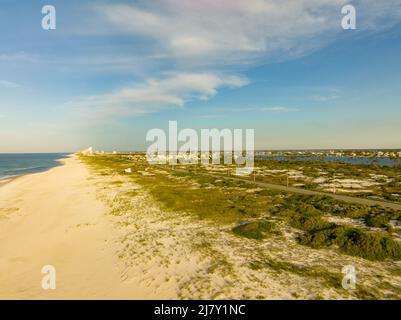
x=24, y=169
x=8, y=177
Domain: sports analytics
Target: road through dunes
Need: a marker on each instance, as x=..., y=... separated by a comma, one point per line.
x=278, y=187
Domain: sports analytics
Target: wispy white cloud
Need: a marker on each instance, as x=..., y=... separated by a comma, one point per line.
x=223, y=32
x=211, y=116
x=18, y=57
x=324, y=98
x=173, y=91
x=218, y=36
x=279, y=109
x=276, y=109
x=9, y=84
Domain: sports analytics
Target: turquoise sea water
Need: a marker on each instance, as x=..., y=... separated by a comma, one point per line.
x=17, y=164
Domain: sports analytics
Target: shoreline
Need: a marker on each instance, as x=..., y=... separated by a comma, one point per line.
x=9, y=179
x=6, y=180
x=45, y=218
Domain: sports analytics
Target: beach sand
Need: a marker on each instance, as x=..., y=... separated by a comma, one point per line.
x=53, y=218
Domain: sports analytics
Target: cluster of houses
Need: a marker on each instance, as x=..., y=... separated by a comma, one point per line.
x=190, y=158
x=185, y=157
x=336, y=153
x=89, y=151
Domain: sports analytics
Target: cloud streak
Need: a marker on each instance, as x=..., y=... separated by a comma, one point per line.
x=279, y=109
x=9, y=84
x=325, y=98
x=224, y=32
x=170, y=92
x=220, y=36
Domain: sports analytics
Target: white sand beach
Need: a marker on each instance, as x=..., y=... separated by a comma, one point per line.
x=54, y=218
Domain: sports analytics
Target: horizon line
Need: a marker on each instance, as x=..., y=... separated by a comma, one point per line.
x=256, y=150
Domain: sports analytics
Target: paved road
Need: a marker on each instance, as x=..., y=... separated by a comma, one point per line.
x=368, y=202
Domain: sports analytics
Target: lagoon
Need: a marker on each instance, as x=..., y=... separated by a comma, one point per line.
x=381, y=162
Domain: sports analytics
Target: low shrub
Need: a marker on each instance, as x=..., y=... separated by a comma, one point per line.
x=371, y=246
x=310, y=223
x=254, y=230
x=377, y=221
x=320, y=238
x=355, y=242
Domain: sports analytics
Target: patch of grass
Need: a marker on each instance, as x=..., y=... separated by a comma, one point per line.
x=380, y=217
x=224, y=205
x=218, y=260
x=369, y=245
x=222, y=201
x=377, y=221
x=257, y=230
x=310, y=223
x=116, y=183
x=321, y=238
x=355, y=242
x=121, y=206
x=330, y=278
x=327, y=205
x=320, y=233
x=131, y=193
x=228, y=202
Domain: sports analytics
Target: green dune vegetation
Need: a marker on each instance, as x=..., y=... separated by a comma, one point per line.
x=368, y=236
x=359, y=180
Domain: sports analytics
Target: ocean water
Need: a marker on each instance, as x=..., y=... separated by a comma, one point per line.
x=17, y=164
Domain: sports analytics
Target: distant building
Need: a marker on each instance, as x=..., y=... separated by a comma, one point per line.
x=88, y=151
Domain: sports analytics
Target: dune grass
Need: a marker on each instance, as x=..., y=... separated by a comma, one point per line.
x=255, y=230
x=245, y=208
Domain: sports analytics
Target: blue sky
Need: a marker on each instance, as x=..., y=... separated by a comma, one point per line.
x=112, y=70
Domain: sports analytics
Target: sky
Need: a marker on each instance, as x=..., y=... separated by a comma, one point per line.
x=112, y=70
